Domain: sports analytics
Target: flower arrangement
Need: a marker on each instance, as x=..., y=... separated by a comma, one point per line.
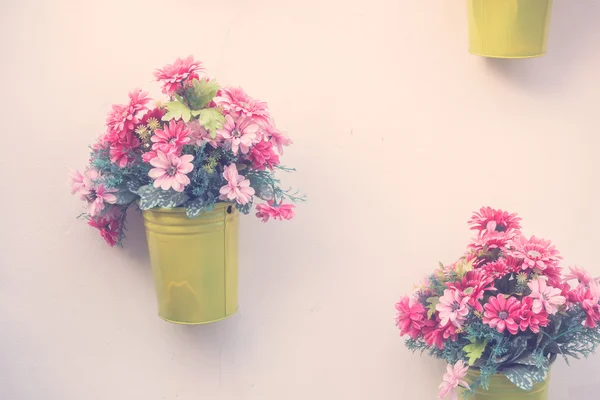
x=503, y=308
x=206, y=144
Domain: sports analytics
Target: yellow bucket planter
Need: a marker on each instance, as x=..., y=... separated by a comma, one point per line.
x=500, y=388
x=194, y=263
x=508, y=28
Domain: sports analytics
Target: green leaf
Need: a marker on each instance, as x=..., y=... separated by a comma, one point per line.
x=151, y=197
x=201, y=93
x=525, y=376
x=211, y=119
x=433, y=301
x=124, y=196
x=475, y=350
x=177, y=110
x=193, y=208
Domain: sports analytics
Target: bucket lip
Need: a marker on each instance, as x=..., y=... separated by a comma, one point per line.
x=507, y=57
x=179, y=210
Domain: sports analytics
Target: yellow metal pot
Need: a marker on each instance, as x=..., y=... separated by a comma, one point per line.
x=194, y=263
x=500, y=388
x=508, y=28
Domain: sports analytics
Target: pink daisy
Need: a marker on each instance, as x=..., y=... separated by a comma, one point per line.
x=530, y=319
x=199, y=135
x=240, y=134
x=76, y=180
x=149, y=155
x=170, y=171
x=492, y=240
x=263, y=156
x=535, y=252
x=580, y=274
x=236, y=102
x=411, y=317
x=171, y=138
x=122, y=150
x=278, y=139
x=278, y=212
x=453, y=378
x=434, y=335
x=544, y=296
x=172, y=75
x=497, y=268
x=453, y=307
x=488, y=219
x=501, y=313
x=237, y=188
x=473, y=285
x=124, y=117
x=590, y=305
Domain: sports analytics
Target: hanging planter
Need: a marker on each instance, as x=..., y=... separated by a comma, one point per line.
x=191, y=164
x=502, y=313
x=508, y=28
x=194, y=263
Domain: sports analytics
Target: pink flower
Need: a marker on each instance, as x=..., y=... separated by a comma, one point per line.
x=492, y=240
x=545, y=296
x=122, y=150
x=453, y=307
x=95, y=193
x=149, y=155
x=580, y=274
x=434, y=335
x=156, y=113
x=590, y=305
x=473, y=285
x=239, y=134
x=502, y=313
x=76, y=182
x=490, y=220
x=124, y=117
x=172, y=138
x=170, y=171
x=236, y=102
x=497, y=268
x=109, y=228
x=199, y=135
x=278, y=139
x=411, y=317
x=453, y=378
x=535, y=252
x=237, y=188
x=530, y=319
x=278, y=212
x=172, y=75
x=263, y=156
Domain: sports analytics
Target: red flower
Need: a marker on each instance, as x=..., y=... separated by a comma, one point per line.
x=109, y=228
x=473, y=285
x=502, y=313
x=529, y=319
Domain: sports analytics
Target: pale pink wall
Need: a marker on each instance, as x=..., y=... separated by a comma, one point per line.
x=399, y=134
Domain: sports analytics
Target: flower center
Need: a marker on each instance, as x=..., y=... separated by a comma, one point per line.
x=455, y=306
x=533, y=254
x=171, y=170
x=173, y=141
x=500, y=228
x=502, y=315
x=92, y=195
x=236, y=133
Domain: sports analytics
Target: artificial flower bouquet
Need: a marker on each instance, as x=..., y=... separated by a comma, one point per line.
x=206, y=144
x=504, y=308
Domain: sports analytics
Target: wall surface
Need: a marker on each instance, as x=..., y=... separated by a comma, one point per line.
x=399, y=134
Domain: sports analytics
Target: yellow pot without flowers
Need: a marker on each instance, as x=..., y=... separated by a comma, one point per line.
x=508, y=28
x=194, y=263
